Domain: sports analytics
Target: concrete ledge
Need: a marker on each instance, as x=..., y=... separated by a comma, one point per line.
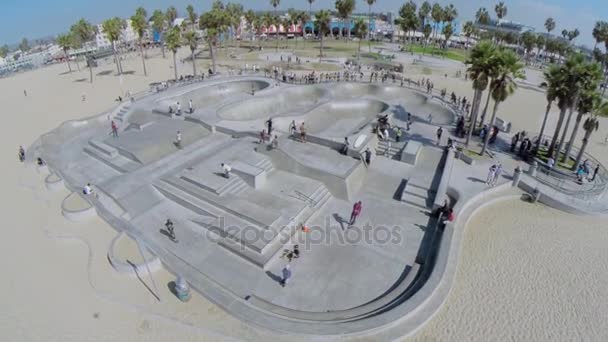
x=253, y=176
x=53, y=182
x=445, y=178
x=411, y=152
x=128, y=267
x=75, y=208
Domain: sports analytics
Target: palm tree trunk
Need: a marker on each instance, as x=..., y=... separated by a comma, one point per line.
x=581, y=153
x=90, y=74
x=485, y=110
x=369, y=28
x=143, y=60
x=162, y=45
x=563, y=139
x=558, y=128
x=487, y=137
x=579, y=117
x=193, y=63
x=476, y=100
x=359, y=52
x=212, y=53
x=542, y=127
x=77, y=64
x=116, y=58
x=175, y=64
x=67, y=60
x=321, y=47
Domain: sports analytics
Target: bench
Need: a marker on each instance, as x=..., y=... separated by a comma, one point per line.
x=411, y=151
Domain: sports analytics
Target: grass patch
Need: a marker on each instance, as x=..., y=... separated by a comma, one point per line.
x=454, y=54
x=427, y=71
x=543, y=155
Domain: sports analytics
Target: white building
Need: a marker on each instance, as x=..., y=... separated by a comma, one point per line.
x=127, y=35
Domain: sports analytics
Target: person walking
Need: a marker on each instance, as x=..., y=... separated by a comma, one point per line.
x=344, y=149
x=439, y=134
x=409, y=121
x=595, y=172
x=491, y=174
x=286, y=272
x=368, y=156
x=179, y=108
x=497, y=174
x=429, y=118
x=355, y=213
x=190, y=107
x=303, y=132
x=114, y=129
x=21, y=154
x=178, y=139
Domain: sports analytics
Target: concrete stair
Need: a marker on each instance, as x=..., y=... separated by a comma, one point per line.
x=234, y=186
x=266, y=165
x=417, y=196
x=121, y=116
x=393, y=151
x=117, y=162
x=216, y=217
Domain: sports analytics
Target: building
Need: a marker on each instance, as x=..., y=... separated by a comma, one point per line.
x=505, y=26
x=127, y=36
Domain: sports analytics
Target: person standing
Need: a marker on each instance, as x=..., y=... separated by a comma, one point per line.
x=497, y=174
x=491, y=174
x=345, y=146
x=550, y=163
x=439, y=134
x=286, y=272
x=398, y=134
x=368, y=156
x=114, y=129
x=430, y=118
x=178, y=139
x=303, y=132
x=179, y=108
x=190, y=107
x=595, y=172
x=293, y=128
x=21, y=154
x=269, y=123
x=355, y=213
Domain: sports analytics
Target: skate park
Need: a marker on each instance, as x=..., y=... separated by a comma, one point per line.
x=232, y=233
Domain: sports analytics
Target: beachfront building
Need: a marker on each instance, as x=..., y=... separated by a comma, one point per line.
x=127, y=35
x=504, y=26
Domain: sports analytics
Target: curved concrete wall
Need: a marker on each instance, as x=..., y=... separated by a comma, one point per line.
x=152, y=263
x=209, y=95
x=76, y=208
x=283, y=103
x=53, y=182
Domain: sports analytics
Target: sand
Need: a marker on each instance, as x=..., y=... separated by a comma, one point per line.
x=527, y=273
x=535, y=277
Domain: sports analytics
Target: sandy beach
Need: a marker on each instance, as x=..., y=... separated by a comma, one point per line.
x=526, y=272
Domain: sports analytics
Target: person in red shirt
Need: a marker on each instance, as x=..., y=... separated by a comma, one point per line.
x=114, y=129
x=355, y=213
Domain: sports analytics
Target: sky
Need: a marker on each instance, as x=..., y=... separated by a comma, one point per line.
x=41, y=18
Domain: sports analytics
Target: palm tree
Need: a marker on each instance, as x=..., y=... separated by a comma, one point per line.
x=158, y=25
x=423, y=12
x=275, y=4
x=322, y=21
x=600, y=32
x=450, y=13
x=553, y=78
x=468, y=29
x=427, y=31
x=481, y=68
x=564, y=33
x=140, y=24
x=591, y=125
x=171, y=16
x=250, y=18
x=482, y=16
x=192, y=41
x=191, y=16
x=549, y=25
x=573, y=34
x=112, y=28
x=173, y=44
x=235, y=12
x=501, y=10
x=437, y=15
x=65, y=42
x=345, y=8
x=447, y=31
x=84, y=32
x=503, y=85
x=361, y=32
x=590, y=82
x=369, y=22
x=214, y=22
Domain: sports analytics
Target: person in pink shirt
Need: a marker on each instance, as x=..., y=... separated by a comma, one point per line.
x=355, y=213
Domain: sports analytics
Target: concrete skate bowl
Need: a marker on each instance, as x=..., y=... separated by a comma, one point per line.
x=289, y=101
x=387, y=93
x=442, y=115
x=213, y=94
x=338, y=119
x=157, y=140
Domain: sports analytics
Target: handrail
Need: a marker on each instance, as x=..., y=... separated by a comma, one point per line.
x=311, y=202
